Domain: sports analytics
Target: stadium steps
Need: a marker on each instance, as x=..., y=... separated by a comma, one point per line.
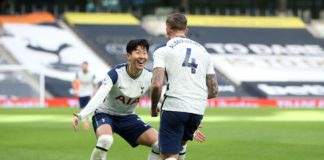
x=240, y=91
x=9, y=59
x=316, y=28
x=77, y=34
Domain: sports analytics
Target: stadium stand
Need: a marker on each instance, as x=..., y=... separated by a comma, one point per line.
x=14, y=84
x=109, y=33
x=51, y=47
x=109, y=39
x=317, y=28
x=265, y=56
x=261, y=51
x=305, y=9
x=36, y=17
x=254, y=52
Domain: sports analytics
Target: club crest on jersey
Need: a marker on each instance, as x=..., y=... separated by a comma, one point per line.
x=127, y=100
x=142, y=89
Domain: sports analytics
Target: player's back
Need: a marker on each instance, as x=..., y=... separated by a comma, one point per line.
x=186, y=64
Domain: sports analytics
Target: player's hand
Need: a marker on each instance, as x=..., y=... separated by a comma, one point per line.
x=199, y=136
x=75, y=122
x=155, y=112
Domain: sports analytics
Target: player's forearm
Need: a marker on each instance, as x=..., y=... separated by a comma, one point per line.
x=95, y=101
x=155, y=96
x=157, y=84
x=212, y=85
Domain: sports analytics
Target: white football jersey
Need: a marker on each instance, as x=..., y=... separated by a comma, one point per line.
x=87, y=82
x=125, y=92
x=186, y=63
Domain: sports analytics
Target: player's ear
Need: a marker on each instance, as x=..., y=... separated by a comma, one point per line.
x=186, y=31
x=128, y=55
x=167, y=30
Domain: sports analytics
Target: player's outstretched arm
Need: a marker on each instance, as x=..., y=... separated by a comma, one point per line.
x=212, y=85
x=156, y=90
x=94, y=103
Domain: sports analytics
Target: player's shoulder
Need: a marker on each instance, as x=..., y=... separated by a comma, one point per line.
x=146, y=76
x=91, y=73
x=117, y=68
x=113, y=73
x=81, y=74
x=120, y=66
x=146, y=70
x=147, y=73
x=159, y=47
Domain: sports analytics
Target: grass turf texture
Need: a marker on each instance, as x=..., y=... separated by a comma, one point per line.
x=233, y=134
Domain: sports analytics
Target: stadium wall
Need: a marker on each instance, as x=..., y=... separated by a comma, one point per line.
x=310, y=103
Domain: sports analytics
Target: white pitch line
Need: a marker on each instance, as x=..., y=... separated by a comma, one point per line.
x=288, y=116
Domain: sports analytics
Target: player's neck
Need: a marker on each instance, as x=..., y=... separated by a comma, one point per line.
x=177, y=34
x=133, y=72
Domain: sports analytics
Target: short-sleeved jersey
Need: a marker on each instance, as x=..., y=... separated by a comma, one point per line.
x=186, y=64
x=125, y=92
x=87, y=81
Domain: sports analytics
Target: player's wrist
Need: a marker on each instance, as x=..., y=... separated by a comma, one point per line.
x=153, y=107
x=78, y=116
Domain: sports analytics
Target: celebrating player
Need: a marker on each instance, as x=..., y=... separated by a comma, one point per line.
x=115, y=101
x=191, y=80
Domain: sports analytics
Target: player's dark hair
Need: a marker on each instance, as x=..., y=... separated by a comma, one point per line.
x=177, y=22
x=132, y=45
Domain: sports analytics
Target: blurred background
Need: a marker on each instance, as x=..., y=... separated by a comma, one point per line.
x=268, y=56
x=264, y=50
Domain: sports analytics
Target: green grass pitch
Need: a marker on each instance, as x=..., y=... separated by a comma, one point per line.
x=233, y=134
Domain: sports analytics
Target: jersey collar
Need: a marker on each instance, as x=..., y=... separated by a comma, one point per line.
x=131, y=75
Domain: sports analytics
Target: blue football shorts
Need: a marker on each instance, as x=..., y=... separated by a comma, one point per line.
x=129, y=127
x=176, y=127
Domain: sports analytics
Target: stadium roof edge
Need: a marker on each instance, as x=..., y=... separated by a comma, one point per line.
x=100, y=18
x=35, y=17
x=245, y=21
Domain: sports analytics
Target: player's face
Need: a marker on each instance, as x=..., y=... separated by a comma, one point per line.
x=138, y=57
x=84, y=67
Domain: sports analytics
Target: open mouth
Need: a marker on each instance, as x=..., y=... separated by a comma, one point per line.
x=141, y=62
